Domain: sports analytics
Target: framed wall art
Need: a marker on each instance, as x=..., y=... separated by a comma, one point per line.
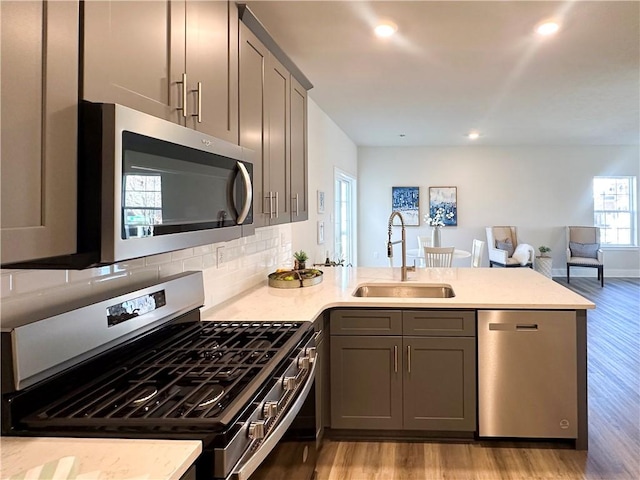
x=445, y=198
x=406, y=200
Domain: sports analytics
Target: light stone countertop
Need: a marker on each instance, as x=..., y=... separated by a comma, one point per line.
x=99, y=458
x=483, y=288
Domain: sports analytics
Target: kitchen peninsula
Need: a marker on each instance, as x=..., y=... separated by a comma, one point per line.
x=476, y=288
x=475, y=365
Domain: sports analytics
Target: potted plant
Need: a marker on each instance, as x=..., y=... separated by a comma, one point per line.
x=300, y=258
x=544, y=250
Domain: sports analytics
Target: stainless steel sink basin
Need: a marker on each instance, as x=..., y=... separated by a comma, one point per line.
x=404, y=290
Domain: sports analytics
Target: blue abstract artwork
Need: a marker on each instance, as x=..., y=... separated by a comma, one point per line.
x=445, y=198
x=406, y=200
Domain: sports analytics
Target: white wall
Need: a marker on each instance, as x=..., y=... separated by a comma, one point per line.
x=247, y=261
x=329, y=147
x=538, y=189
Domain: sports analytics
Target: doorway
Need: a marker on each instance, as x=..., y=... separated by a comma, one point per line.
x=345, y=217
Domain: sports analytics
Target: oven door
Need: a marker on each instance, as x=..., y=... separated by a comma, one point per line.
x=290, y=449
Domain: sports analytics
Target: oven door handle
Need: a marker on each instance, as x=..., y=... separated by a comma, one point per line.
x=246, y=466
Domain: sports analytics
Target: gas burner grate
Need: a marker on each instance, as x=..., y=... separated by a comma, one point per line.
x=197, y=374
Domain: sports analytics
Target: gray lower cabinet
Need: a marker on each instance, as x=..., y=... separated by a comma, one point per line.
x=385, y=376
x=366, y=382
x=439, y=383
x=39, y=123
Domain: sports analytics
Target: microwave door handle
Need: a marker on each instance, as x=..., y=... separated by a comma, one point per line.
x=248, y=195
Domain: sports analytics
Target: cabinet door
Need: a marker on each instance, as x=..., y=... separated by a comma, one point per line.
x=299, y=162
x=253, y=117
x=134, y=55
x=439, y=384
x=212, y=62
x=366, y=382
x=39, y=123
x=278, y=110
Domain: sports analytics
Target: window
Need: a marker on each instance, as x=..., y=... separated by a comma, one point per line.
x=344, y=211
x=142, y=200
x=614, y=210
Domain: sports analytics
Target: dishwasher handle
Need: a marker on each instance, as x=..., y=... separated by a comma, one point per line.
x=518, y=327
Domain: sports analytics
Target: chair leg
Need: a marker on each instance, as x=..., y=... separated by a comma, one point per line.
x=601, y=273
x=568, y=280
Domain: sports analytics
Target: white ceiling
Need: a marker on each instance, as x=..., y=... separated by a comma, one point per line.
x=454, y=66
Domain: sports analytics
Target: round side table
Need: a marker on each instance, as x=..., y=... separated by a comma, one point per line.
x=543, y=265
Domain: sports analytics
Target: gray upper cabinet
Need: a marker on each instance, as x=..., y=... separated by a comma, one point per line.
x=39, y=97
x=212, y=68
x=173, y=59
x=277, y=171
x=273, y=123
x=254, y=133
x=299, y=161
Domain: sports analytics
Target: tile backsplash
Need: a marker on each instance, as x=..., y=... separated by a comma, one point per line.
x=246, y=262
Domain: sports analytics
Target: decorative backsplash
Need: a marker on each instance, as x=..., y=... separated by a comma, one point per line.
x=246, y=262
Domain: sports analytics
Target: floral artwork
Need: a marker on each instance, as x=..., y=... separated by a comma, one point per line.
x=406, y=201
x=443, y=206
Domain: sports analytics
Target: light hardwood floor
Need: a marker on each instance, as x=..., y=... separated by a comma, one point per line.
x=613, y=343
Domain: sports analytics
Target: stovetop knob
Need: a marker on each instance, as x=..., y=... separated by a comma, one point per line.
x=256, y=430
x=311, y=353
x=270, y=409
x=289, y=383
x=303, y=363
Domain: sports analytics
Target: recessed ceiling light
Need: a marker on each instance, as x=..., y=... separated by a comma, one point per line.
x=547, y=28
x=385, y=29
x=473, y=135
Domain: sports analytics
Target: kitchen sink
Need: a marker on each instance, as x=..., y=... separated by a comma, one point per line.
x=404, y=290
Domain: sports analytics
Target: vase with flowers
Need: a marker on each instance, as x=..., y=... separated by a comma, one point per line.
x=437, y=222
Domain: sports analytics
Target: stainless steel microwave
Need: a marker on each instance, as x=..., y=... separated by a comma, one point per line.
x=148, y=186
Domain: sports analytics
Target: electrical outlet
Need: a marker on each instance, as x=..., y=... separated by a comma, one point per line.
x=219, y=256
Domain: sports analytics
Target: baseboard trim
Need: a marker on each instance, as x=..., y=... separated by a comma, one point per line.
x=593, y=272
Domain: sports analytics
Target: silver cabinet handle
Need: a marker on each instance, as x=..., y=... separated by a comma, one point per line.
x=409, y=358
x=277, y=206
x=296, y=209
x=248, y=195
x=183, y=109
x=270, y=197
x=198, y=92
x=395, y=358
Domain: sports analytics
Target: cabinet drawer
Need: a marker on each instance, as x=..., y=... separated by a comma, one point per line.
x=439, y=323
x=366, y=322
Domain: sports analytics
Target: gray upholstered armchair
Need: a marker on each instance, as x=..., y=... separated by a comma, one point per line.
x=583, y=250
x=502, y=244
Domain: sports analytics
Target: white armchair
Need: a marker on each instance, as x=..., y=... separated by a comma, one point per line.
x=504, y=249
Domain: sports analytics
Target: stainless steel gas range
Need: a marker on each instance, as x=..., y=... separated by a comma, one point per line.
x=141, y=364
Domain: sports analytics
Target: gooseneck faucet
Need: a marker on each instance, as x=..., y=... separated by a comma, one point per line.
x=403, y=240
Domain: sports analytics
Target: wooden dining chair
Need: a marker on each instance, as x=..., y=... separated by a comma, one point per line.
x=438, y=256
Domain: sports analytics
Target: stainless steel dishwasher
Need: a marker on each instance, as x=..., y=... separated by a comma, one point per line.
x=527, y=374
